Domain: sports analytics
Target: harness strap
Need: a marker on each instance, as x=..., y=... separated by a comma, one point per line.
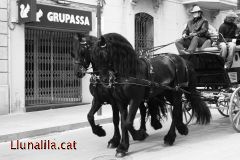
x=149, y=66
x=150, y=74
x=141, y=82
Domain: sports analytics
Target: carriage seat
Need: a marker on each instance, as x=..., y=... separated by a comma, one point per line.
x=213, y=50
x=209, y=50
x=209, y=69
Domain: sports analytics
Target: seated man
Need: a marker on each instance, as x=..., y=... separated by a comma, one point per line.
x=195, y=33
x=227, y=38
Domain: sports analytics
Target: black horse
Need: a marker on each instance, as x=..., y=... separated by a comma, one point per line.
x=132, y=84
x=102, y=93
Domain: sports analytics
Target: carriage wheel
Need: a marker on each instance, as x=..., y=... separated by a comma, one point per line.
x=234, y=109
x=187, y=112
x=223, y=108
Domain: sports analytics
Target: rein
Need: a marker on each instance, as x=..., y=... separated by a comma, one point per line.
x=148, y=83
x=142, y=82
x=153, y=49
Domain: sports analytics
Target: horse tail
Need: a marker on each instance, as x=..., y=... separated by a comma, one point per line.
x=199, y=107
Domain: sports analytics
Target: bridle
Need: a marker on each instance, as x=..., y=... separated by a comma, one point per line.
x=82, y=63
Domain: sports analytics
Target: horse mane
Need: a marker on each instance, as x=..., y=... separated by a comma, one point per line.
x=120, y=55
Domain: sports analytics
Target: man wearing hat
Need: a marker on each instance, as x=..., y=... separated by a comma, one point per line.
x=228, y=32
x=195, y=33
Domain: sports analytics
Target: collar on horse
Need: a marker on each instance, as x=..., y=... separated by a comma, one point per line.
x=107, y=82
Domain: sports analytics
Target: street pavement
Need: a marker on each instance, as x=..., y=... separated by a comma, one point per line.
x=216, y=141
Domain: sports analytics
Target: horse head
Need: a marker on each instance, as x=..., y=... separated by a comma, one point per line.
x=81, y=54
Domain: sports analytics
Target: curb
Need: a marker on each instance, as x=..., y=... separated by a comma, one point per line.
x=48, y=130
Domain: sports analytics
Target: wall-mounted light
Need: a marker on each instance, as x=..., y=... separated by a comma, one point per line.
x=64, y=2
x=134, y=2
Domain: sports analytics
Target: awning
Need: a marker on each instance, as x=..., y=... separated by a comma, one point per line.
x=213, y=4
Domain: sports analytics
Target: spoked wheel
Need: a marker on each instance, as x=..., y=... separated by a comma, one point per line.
x=234, y=109
x=223, y=107
x=187, y=112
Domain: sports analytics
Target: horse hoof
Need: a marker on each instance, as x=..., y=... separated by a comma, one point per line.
x=169, y=140
x=140, y=135
x=120, y=154
x=156, y=124
x=99, y=131
x=168, y=143
x=182, y=129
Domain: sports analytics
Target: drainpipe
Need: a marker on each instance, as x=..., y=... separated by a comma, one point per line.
x=99, y=112
x=99, y=31
x=8, y=50
x=99, y=27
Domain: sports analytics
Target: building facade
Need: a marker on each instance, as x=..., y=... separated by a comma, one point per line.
x=35, y=63
x=4, y=49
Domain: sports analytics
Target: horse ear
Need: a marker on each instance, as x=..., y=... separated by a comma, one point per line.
x=83, y=40
x=102, y=42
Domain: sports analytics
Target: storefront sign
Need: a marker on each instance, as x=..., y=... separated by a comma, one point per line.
x=63, y=18
x=27, y=10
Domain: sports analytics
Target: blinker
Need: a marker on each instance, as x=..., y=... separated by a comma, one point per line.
x=103, y=46
x=83, y=42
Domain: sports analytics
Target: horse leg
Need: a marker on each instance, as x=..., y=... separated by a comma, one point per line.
x=114, y=142
x=171, y=135
x=122, y=148
x=169, y=139
x=154, y=112
x=142, y=109
x=181, y=127
x=96, y=129
x=175, y=99
x=140, y=134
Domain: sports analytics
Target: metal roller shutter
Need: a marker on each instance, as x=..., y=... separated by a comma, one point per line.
x=49, y=76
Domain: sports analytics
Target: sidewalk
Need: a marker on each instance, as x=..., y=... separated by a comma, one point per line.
x=23, y=125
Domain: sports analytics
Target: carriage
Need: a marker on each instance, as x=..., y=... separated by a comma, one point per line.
x=219, y=87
